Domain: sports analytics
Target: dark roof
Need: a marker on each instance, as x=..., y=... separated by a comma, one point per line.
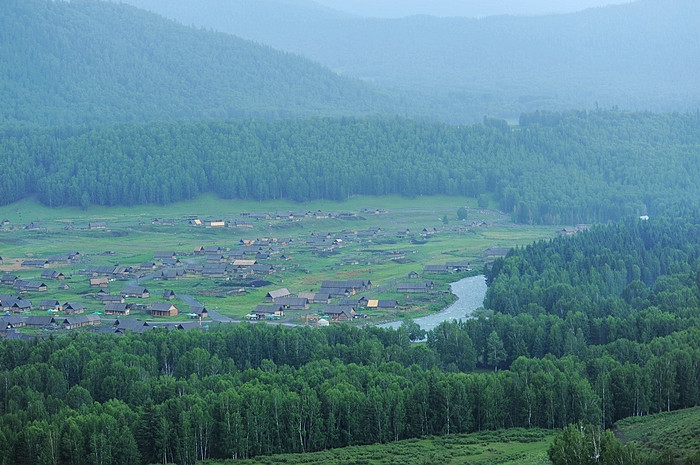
x=130, y=324
x=115, y=307
x=336, y=309
x=80, y=319
x=292, y=301
x=161, y=307
x=39, y=320
x=134, y=290
x=433, y=268
x=11, y=320
x=35, y=262
x=267, y=309
x=415, y=285
x=164, y=255
x=352, y=284
x=198, y=309
x=73, y=306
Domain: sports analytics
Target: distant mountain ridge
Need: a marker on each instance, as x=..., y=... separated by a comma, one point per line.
x=93, y=62
x=641, y=55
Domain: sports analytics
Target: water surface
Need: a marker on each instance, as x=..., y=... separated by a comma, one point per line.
x=470, y=294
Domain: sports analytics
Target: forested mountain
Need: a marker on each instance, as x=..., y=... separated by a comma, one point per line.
x=88, y=61
x=554, y=168
x=630, y=347
x=640, y=55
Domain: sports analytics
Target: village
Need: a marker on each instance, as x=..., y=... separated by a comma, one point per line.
x=270, y=278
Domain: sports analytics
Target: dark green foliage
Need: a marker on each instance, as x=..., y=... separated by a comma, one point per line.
x=580, y=444
x=245, y=390
x=587, y=167
x=462, y=213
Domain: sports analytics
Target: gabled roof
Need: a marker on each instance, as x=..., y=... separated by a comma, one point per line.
x=199, y=310
x=162, y=307
x=292, y=301
x=11, y=321
x=276, y=294
x=39, y=320
x=115, y=307
x=267, y=309
x=336, y=309
x=73, y=306
x=130, y=324
x=134, y=290
x=81, y=319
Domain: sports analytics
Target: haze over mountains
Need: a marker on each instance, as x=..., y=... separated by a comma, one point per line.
x=464, y=8
x=92, y=61
x=99, y=62
x=641, y=55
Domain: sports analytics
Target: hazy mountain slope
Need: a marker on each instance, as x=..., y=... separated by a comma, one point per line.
x=642, y=55
x=90, y=61
x=468, y=9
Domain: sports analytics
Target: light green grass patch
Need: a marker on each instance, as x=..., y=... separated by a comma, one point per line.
x=515, y=446
x=132, y=239
x=678, y=432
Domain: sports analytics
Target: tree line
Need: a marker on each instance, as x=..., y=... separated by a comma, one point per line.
x=555, y=168
x=241, y=391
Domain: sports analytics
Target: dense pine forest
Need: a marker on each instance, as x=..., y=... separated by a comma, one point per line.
x=554, y=168
x=623, y=342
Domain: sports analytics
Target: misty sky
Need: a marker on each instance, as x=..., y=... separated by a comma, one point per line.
x=469, y=8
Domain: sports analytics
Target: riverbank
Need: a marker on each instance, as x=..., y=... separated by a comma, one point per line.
x=470, y=293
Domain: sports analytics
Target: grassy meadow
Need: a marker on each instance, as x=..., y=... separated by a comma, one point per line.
x=508, y=447
x=132, y=238
x=677, y=432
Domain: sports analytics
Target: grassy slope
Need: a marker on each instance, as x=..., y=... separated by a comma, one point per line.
x=133, y=239
x=677, y=431
x=516, y=446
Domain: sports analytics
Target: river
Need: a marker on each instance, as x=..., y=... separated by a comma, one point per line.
x=470, y=294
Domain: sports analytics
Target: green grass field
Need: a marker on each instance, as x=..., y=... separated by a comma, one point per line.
x=677, y=432
x=132, y=239
x=508, y=447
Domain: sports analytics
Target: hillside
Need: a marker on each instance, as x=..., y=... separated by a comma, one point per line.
x=640, y=55
x=86, y=62
x=676, y=432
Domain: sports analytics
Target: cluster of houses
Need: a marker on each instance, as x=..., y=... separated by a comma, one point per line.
x=347, y=304
x=246, y=260
x=246, y=219
x=448, y=267
x=13, y=322
x=10, y=324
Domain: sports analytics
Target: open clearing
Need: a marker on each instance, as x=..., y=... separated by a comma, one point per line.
x=382, y=239
x=509, y=447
